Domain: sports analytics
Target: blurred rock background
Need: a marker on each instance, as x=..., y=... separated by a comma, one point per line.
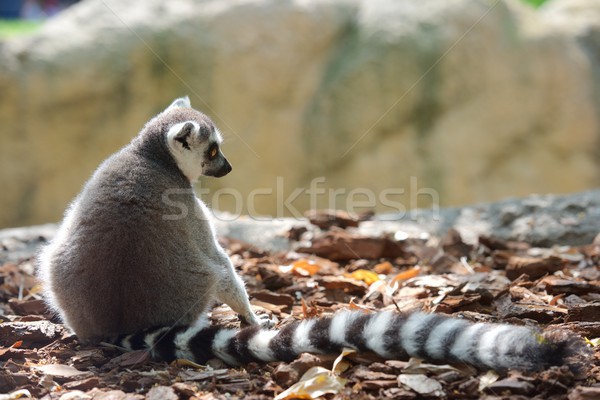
x=459, y=101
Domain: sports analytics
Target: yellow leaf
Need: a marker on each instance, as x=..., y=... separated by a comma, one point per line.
x=593, y=342
x=364, y=275
x=315, y=382
x=16, y=395
x=36, y=289
x=318, y=381
x=340, y=366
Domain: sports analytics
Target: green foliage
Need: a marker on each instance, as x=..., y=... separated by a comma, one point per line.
x=535, y=3
x=17, y=27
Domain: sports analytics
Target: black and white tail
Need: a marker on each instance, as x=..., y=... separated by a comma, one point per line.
x=391, y=335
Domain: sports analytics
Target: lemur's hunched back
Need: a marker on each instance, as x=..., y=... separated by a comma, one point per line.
x=136, y=259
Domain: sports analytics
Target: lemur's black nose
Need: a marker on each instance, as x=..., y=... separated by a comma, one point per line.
x=224, y=170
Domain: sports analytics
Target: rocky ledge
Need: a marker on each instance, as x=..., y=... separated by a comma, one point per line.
x=540, y=220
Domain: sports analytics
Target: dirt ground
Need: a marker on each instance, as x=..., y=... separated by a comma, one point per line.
x=329, y=268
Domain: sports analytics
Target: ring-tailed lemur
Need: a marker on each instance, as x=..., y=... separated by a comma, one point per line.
x=123, y=264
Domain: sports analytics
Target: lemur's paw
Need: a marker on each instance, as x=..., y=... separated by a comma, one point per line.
x=265, y=321
x=262, y=320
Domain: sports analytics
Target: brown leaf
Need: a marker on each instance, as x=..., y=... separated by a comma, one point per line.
x=28, y=307
x=87, y=358
x=556, y=285
x=454, y=246
x=61, y=373
x=534, y=267
x=510, y=385
x=589, y=329
x=274, y=298
x=16, y=353
x=310, y=310
x=493, y=243
x=364, y=373
x=129, y=359
x=325, y=219
x=462, y=300
x=539, y=312
x=349, y=285
x=585, y=393
x=340, y=246
x=272, y=278
x=379, y=384
x=584, y=312
x=83, y=384
x=287, y=374
x=34, y=332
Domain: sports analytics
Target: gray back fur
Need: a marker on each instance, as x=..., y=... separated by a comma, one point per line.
x=117, y=264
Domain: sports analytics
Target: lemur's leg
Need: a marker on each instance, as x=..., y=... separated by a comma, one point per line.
x=232, y=292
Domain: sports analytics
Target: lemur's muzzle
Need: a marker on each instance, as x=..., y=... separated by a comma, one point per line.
x=224, y=170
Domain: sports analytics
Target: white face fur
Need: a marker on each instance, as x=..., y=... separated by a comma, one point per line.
x=195, y=147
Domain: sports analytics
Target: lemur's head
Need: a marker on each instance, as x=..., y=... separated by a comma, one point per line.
x=194, y=142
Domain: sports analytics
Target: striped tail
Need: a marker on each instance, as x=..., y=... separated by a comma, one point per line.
x=391, y=335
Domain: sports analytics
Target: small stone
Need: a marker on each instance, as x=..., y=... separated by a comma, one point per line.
x=184, y=389
x=161, y=393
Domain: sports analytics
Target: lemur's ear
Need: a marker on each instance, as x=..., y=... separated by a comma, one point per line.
x=182, y=133
x=182, y=102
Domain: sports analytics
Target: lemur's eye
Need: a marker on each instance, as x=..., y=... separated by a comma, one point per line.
x=213, y=152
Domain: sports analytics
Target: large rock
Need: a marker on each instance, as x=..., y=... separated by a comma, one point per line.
x=539, y=220
x=473, y=99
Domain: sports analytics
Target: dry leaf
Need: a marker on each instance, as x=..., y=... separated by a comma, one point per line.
x=189, y=375
x=183, y=362
x=383, y=268
x=421, y=384
x=302, y=267
x=310, y=310
x=487, y=379
x=318, y=381
x=593, y=342
x=340, y=366
x=417, y=366
x=18, y=394
x=353, y=306
x=408, y=274
x=383, y=288
x=59, y=370
x=364, y=275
